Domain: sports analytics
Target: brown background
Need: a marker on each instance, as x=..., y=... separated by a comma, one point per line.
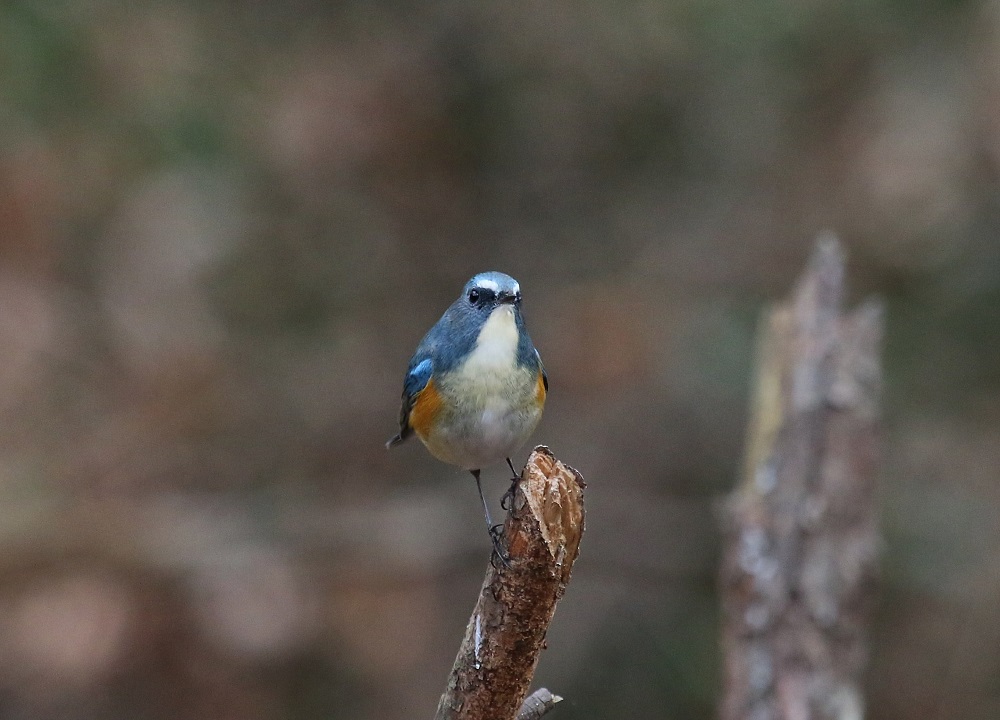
x=224, y=227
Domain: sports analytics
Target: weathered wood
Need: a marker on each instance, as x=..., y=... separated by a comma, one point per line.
x=801, y=541
x=506, y=633
x=537, y=704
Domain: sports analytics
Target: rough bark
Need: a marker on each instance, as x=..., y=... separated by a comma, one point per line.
x=506, y=633
x=801, y=542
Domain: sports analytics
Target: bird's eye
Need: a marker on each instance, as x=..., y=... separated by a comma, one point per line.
x=474, y=295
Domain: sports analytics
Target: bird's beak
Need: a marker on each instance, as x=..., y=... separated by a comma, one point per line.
x=507, y=298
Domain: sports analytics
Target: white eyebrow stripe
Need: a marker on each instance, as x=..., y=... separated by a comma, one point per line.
x=488, y=285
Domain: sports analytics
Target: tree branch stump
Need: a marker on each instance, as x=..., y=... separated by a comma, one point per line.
x=537, y=704
x=506, y=633
x=801, y=543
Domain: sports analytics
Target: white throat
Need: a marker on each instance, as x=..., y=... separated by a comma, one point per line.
x=496, y=346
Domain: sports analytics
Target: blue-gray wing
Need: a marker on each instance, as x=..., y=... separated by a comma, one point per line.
x=419, y=373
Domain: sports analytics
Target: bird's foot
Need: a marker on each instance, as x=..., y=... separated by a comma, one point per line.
x=507, y=499
x=500, y=553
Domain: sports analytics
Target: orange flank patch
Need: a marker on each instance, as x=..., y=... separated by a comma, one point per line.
x=540, y=388
x=425, y=408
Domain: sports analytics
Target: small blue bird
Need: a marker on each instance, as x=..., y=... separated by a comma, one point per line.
x=475, y=387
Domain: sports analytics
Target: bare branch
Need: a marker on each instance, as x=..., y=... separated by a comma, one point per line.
x=506, y=632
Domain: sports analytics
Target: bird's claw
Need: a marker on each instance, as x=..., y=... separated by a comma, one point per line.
x=499, y=547
x=507, y=499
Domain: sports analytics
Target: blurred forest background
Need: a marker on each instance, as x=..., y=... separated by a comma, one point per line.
x=224, y=227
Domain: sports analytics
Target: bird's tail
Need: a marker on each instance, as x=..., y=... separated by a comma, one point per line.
x=395, y=440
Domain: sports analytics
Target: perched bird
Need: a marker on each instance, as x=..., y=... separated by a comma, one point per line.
x=475, y=387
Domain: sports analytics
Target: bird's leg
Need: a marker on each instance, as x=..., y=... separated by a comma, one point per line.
x=507, y=500
x=496, y=531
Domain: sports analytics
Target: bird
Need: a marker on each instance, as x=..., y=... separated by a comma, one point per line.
x=475, y=387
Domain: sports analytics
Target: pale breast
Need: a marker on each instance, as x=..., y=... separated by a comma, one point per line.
x=490, y=405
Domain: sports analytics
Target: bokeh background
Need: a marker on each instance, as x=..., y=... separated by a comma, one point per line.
x=224, y=227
